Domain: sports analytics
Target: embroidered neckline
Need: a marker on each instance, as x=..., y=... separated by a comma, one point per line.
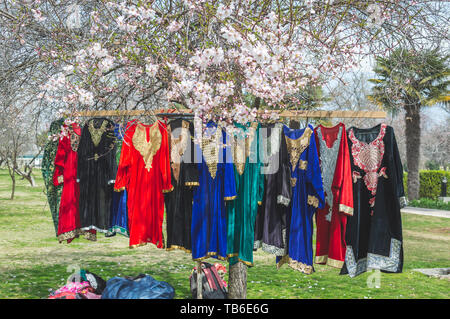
x=210, y=149
x=297, y=146
x=328, y=158
x=379, y=137
x=146, y=148
x=368, y=157
x=178, y=146
x=97, y=133
x=243, y=146
x=326, y=128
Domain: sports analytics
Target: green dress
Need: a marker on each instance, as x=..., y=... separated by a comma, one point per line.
x=48, y=167
x=242, y=211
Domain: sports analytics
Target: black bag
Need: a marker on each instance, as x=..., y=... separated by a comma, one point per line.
x=212, y=285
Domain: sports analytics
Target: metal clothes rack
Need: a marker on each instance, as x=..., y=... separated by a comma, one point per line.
x=189, y=112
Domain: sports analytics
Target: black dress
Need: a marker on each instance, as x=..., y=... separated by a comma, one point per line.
x=97, y=169
x=184, y=176
x=374, y=232
x=270, y=225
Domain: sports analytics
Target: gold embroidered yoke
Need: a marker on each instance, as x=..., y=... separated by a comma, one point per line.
x=210, y=146
x=178, y=147
x=296, y=147
x=244, y=147
x=147, y=148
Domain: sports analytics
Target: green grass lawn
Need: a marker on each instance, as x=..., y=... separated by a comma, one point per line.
x=32, y=261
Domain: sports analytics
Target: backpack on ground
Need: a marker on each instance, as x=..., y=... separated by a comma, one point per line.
x=212, y=284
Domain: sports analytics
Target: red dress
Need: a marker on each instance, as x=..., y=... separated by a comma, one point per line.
x=66, y=162
x=335, y=166
x=144, y=171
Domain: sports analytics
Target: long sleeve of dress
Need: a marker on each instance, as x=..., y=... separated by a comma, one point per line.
x=316, y=197
x=165, y=161
x=398, y=172
x=123, y=169
x=343, y=175
x=260, y=187
x=229, y=178
x=260, y=161
x=190, y=163
x=283, y=175
x=59, y=161
x=82, y=172
x=112, y=163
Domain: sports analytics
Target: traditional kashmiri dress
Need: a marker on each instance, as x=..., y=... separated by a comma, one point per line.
x=144, y=171
x=119, y=210
x=217, y=185
x=307, y=196
x=374, y=232
x=96, y=173
x=241, y=212
x=48, y=168
x=184, y=172
x=270, y=225
x=337, y=183
x=66, y=162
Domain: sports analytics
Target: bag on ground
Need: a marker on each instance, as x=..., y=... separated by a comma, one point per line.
x=213, y=286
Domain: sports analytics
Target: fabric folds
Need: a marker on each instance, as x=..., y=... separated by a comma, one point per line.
x=184, y=175
x=331, y=221
x=374, y=231
x=144, y=172
x=96, y=172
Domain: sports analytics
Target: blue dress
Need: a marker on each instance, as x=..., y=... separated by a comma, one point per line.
x=216, y=186
x=119, y=211
x=307, y=196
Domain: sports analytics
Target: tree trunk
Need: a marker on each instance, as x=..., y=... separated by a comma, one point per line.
x=412, y=132
x=237, y=288
x=237, y=281
x=27, y=174
x=10, y=164
x=13, y=190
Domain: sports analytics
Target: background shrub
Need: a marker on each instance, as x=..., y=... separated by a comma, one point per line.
x=430, y=203
x=430, y=183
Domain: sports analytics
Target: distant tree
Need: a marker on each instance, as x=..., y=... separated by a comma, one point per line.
x=14, y=140
x=409, y=80
x=436, y=145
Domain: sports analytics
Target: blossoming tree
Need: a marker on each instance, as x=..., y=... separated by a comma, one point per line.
x=205, y=55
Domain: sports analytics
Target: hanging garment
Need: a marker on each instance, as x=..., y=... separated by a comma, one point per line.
x=48, y=168
x=217, y=185
x=270, y=225
x=374, y=232
x=96, y=173
x=337, y=183
x=307, y=196
x=144, y=171
x=119, y=211
x=241, y=212
x=184, y=177
x=66, y=162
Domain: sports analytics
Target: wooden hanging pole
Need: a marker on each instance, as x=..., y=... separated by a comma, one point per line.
x=281, y=113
